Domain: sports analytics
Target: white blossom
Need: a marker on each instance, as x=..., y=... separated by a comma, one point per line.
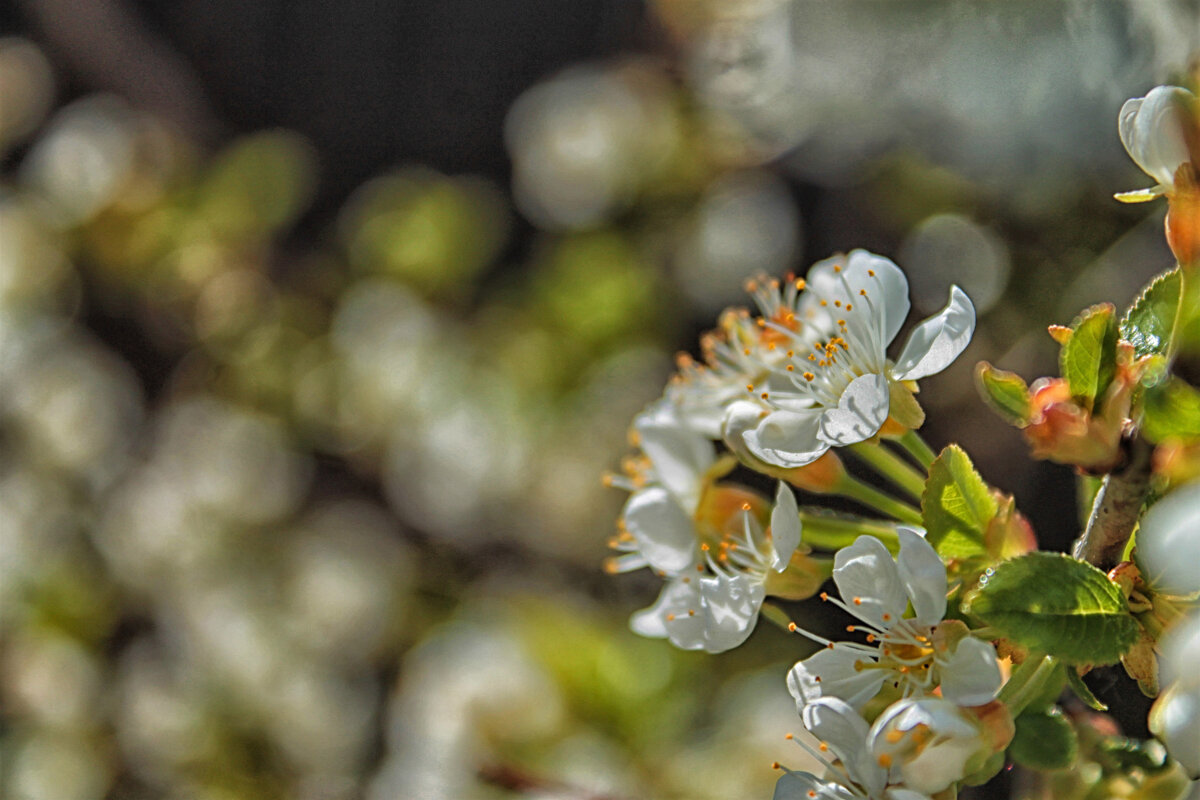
x=836, y=385
x=927, y=743
x=1151, y=129
x=1168, y=544
x=918, y=653
x=658, y=526
x=1175, y=717
x=716, y=563
x=741, y=351
x=856, y=773
x=714, y=605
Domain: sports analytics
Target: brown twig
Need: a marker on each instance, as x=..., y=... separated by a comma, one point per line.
x=1116, y=508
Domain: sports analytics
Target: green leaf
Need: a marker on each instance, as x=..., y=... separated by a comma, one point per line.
x=1082, y=691
x=1044, y=740
x=956, y=506
x=1052, y=603
x=1005, y=392
x=1148, y=323
x=1169, y=409
x=1088, y=360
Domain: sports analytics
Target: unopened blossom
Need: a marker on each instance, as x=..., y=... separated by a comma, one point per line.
x=928, y=743
x=1161, y=133
x=1062, y=430
x=918, y=653
x=1175, y=717
x=1153, y=130
x=1168, y=544
x=837, y=385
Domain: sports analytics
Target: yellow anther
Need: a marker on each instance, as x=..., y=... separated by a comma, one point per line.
x=808, y=376
x=871, y=272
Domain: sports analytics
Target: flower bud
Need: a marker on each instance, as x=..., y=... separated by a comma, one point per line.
x=1062, y=430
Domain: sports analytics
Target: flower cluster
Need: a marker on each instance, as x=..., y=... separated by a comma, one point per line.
x=944, y=724
x=779, y=389
x=958, y=630
x=814, y=368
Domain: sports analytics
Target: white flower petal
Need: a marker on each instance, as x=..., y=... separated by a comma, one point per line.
x=786, y=438
x=731, y=606
x=803, y=786
x=1152, y=131
x=887, y=289
x=927, y=763
x=869, y=582
x=664, y=532
x=838, y=725
x=785, y=528
x=1168, y=543
x=831, y=672
x=937, y=341
x=971, y=674
x=861, y=410
x=680, y=455
x=924, y=576
x=1175, y=719
x=897, y=793
x=1180, y=647
x=669, y=616
x=842, y=279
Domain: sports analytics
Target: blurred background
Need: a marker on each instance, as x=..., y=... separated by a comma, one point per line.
x=319, y=323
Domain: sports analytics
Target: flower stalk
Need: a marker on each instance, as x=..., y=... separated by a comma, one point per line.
x=1027, y=682
x=917, y=448
x=891, y=466
x=873, y=498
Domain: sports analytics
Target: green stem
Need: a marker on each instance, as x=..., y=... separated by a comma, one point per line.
x=883, y=503
x=917, y=448
x=827, y=532
x=892, y=467
x=1026, y=682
